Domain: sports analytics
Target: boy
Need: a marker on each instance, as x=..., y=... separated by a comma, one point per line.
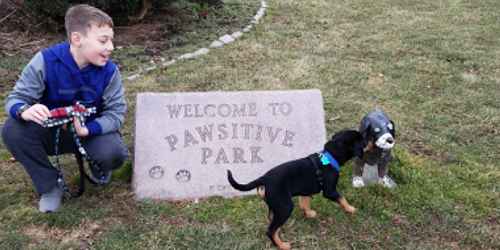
x=77, y=70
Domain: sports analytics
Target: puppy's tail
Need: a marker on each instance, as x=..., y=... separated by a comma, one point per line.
x=243, y=187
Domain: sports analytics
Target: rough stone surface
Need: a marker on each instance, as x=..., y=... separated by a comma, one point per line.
x=185, y=142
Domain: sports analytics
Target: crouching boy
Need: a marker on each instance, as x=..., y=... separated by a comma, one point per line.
x=79, y=70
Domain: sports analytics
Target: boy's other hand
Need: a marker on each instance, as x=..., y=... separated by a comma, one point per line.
x=81, y=131
x=37, y=113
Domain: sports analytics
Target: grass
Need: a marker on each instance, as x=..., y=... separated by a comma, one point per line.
x=433, y=66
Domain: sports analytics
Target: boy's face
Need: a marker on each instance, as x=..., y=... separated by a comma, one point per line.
x=96, y=46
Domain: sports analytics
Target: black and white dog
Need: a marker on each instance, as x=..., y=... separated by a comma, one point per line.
x=379, y=133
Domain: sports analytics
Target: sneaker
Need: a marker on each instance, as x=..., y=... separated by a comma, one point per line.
x=51, y=201
x=357, y=182
x=387, y=182
x=99, y=176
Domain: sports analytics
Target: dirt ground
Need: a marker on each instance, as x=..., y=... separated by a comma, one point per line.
x=21, y=32
x=22, y=35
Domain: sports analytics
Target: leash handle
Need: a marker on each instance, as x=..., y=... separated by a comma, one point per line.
x=63, y=115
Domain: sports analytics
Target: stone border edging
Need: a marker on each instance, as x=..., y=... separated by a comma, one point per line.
x=219, y=43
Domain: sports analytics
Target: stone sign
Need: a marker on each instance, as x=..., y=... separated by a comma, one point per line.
x=185, y=142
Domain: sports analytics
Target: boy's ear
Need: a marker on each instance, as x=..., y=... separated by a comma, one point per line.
x=75, y=38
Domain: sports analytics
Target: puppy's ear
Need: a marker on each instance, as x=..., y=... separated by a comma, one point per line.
x=365, y=129
x=359, y=146
x=358, y=150
x=393, y=130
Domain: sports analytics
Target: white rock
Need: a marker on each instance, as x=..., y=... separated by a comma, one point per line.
x=261, y=12
x=226, y=39
x=186, y=56
x=195, y=54
x=150, y=68
x=200, y=52
x=216, y=44
x=259, y=15
x=237, y=34
x=166, y=64
x=132, y=77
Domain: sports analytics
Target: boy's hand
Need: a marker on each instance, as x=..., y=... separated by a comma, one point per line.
x=80, y=130
x=37, y=113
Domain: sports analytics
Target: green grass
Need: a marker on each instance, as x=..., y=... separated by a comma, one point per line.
x=433, y=66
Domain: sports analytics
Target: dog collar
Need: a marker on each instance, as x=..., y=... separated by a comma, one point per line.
x=327, y=159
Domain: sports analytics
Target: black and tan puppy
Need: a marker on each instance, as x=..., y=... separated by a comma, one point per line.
x=304, y=177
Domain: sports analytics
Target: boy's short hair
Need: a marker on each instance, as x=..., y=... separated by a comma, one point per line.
x=80, y=17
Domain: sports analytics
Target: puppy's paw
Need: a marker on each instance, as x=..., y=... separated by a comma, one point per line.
x=310, y=214
x=387, y=182
x=261, y=191
x=350, y=209
x=285, y=246
x=357, y=182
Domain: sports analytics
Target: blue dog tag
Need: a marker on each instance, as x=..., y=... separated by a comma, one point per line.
x=324, y=160
x=327, y=159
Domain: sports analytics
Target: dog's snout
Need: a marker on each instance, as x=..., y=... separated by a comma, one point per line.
x=390, y=140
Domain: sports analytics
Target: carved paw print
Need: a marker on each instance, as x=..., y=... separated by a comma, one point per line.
x=156, y=172
x=183, y=175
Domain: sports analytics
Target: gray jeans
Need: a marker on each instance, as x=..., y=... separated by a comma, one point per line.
x=31, y=144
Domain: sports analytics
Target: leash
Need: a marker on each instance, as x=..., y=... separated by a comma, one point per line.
x=63, y=116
